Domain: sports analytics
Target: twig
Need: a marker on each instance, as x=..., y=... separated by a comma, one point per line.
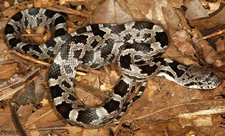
x=6, y=62
x=16, y=121
x=67, y=10
x=19, y=5
x=220, y=110
x=212, y=35
x=29, y=58
x=32, y=35
x=12, y=92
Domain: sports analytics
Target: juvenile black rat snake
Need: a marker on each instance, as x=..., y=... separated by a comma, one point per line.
x=135, y=46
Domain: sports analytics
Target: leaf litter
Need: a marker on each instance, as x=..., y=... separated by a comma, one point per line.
x=196, y=38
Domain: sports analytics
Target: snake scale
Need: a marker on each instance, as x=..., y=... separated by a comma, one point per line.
x=136, y=47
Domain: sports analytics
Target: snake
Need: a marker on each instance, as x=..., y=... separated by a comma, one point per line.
x=136, y=47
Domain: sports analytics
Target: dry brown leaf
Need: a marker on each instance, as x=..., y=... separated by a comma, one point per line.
x=42, y=117
x=6, y=123
x=161, y=109
x=24, y=112
x=5, y=116
x=194, y=10
x=211, y=22
x=7, y=70
x=2, y=45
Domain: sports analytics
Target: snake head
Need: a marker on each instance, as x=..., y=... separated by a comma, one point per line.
x=202, y=79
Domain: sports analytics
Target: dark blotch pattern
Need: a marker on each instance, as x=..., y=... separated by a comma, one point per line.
x=60, y=32
x=146, y=36
x=18, y=16
x=121, y=88
x=126, y=105
x=9, y=29
x=50, y=53
x=140, y=47
x=37, y=48
x=111, y=58
x=54, y=71
x=64, y=109
x=140, y=25
x=174, y=67
x=112, y=105
x=94, y=65
x=125, y=61
x=127, y=37
x=142, y=88
x=49, y=13
x=59, y=20
x=87, y=116
x=81, y=30
x=147, y=69
x=72, y=98
x=106, y=50
x=88, y=57
x=94, y=44
x=56, y=91
x=66, y=84
x=118, y=29
x=190, y=84
x=27, y=47
x=13, y=42
x=77, y=53
x=162, y=38
x=140, y=62
x=26, y=22
x=65, y=51
x=97, y=31
x=80, y=39
x=50, y=43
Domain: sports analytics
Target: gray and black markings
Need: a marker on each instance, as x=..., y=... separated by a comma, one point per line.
x=136, y=47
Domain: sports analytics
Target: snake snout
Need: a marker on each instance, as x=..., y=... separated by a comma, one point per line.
x=211, y=81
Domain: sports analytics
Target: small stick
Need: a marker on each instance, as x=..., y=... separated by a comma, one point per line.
x=13, y=7
x=29, y=58
x=32, y=35
x=212, y=35
x=67, y=10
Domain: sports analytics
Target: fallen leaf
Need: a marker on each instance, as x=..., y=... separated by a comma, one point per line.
x=7, y=70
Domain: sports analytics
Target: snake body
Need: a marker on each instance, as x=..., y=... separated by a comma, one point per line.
x=136, y=47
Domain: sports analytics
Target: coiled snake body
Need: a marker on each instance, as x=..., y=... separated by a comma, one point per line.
x=136, y=46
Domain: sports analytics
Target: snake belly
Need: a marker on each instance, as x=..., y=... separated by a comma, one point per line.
x=136, y=47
